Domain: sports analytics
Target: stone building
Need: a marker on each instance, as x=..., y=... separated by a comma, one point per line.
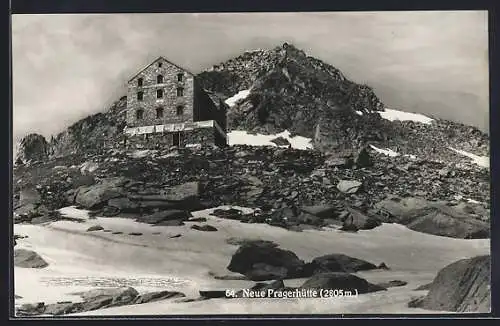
x=166, y=106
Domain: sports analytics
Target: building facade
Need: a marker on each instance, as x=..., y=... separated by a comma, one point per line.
x=166, y=106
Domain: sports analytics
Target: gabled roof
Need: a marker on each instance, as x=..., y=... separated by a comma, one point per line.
x=156, y=60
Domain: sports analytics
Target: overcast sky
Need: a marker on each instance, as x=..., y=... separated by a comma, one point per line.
x=66, y=67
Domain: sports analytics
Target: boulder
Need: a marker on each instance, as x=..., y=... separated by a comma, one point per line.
x=165, y=215
x=29, y=309
x=205, y=227
x=28, y=259
x=184, y=192
x=198, y=219
x=63, y=308
x=341, y=281
x=349, y=186
x=107, y=297
x=262, y=261
x=97, y=195
x=109, y=211
x=170, y=223
x=463, y=286
x=361, y=220
x=435, y=218
x=394, y=283
x=157, y=296
x=231, y=213
x=340, y=263
x=95, y=228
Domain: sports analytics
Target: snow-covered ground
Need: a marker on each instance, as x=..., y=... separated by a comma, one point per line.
x=241, y=95
x=240, y=137
x=80, y=260
x=483, y=161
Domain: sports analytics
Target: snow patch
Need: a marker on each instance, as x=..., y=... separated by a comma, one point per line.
x=241, y=95
x=386, y=151
x=483, y=161
x=393, y=115
x=240, y=137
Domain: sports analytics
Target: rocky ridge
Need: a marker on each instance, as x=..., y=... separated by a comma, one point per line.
x=290, y=188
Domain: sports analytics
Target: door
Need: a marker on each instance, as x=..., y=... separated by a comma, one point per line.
x=177, y=139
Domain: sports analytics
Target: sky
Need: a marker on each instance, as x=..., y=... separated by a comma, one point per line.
x=66, y=67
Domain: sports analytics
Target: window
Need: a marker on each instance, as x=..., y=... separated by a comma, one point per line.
x=179, y=77
x=159, y=113
x=159, y=64
x=159, y=93
x=180, y=91
x=159, y=79
x=140, y=96
x=139, y=82
x=180, y=110
x=139, y=114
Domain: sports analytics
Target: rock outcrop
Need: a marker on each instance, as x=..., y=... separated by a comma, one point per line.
x=32, y=148
x=28, y=259
x=261, y=261
x=436, y=218
x=463, y=286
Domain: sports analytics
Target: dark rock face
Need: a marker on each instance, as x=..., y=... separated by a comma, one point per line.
x=341, y=281
x=339, y=263
x=463, y=286
x=260, y=261
x=28, y=259
x=32, y=148
x=364, y=159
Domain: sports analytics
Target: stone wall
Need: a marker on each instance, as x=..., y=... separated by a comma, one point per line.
x=202, y=136
x=170, y=100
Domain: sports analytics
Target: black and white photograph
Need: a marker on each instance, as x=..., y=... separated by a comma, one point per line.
x=260, y=163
